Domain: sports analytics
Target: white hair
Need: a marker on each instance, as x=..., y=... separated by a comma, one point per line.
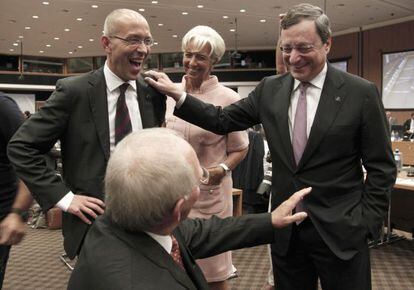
x=200, y=36
x=148, y=172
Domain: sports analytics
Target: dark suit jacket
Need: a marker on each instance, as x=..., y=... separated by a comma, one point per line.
x=407, y=125
x=10, y=119
x=113, y=259
x=77, y=114
x=349, y=128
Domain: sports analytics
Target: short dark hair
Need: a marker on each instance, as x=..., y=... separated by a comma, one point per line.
x=309, y=12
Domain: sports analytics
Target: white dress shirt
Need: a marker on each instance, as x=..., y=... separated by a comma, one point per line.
x=313, y=95
x=164, y=241
x=112, y=92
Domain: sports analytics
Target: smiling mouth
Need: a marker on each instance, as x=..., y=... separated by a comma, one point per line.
x=136, y=62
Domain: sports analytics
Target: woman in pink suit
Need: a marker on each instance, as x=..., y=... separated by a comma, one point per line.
x=203, y=47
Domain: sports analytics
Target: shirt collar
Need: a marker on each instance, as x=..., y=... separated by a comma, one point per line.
x=113, y=81
x=164, y=241
x=316, y=81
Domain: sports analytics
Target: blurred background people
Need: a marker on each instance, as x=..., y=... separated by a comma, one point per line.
x=392, y=121
x=89, y=114
x=409, y=126
x=15, y=198
x=203, y=47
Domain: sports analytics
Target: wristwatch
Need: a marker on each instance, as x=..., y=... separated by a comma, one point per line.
x=225, y=167
x=24, y=214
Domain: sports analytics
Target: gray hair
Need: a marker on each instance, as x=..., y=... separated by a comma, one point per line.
x=148, y=172
x=309, y=12
x=202, y=35
x=110, y=27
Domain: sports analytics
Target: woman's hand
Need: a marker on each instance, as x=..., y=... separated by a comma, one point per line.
x=216, y=175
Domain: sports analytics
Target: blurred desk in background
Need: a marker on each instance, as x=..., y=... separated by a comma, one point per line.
x=407, y=149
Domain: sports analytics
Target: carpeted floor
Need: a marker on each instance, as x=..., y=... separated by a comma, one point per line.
x=35, y=265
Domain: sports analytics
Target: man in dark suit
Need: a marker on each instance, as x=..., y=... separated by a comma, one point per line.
x=15, y=199
x=409, y=126
x=149, y=192
x=321, y=125
x=83, y=113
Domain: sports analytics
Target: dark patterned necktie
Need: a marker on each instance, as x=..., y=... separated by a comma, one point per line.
x=175, y=253
x=122, y=119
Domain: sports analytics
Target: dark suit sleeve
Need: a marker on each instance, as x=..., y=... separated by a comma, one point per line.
x=10, y=117
x=33, y=140
x=238, y=116
x=378, y=160
x=210, y=237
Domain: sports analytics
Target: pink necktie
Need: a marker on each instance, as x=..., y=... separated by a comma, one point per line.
x=299, y=136
x=175, y=253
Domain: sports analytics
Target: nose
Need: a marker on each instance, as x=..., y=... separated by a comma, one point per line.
x=193, y=61
x=294, y=56
x=142, y=49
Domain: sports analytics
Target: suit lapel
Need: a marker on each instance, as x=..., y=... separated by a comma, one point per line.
x=99, y=107
x=282, y=103
x=144, y=95
x=153, y=251
x=332, y=98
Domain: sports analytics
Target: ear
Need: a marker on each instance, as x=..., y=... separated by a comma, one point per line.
x=106, y=44
x=328, y=45
x=176, y=214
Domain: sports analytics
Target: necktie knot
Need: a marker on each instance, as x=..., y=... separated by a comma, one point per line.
x=123, y=88
x=303, y=86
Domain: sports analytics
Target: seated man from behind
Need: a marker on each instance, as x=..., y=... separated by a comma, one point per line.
x=143, y=240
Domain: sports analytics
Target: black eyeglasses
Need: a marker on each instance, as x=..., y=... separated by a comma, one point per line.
x=303, y=49
x=148, y=41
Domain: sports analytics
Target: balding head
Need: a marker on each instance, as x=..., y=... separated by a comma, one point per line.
x=148, y=172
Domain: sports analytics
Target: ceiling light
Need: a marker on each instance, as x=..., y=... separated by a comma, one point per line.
x=79, y=19
x=154, y=2
x=141, y=9
x=27, y=27
x=200, y=6
x=242, y=10
x=67, y=29
x=94, y=6
x=155, y=43
x=41, y=51
x=56, y=38
x=175, y=35
x=48, y=45
x=232, y=30
x=225, y=16
x=15, y=44
x=45, y=3
x=91, y=39
x=35, y=17
x=21, y=36
x=160, y=24
x=262, y=20
x=11, y=49
x=184, y=13
x=80, y=46
x=70, y=52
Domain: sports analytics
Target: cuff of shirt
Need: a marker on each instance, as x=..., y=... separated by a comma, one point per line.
x=181, y=100
x=65, y=202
